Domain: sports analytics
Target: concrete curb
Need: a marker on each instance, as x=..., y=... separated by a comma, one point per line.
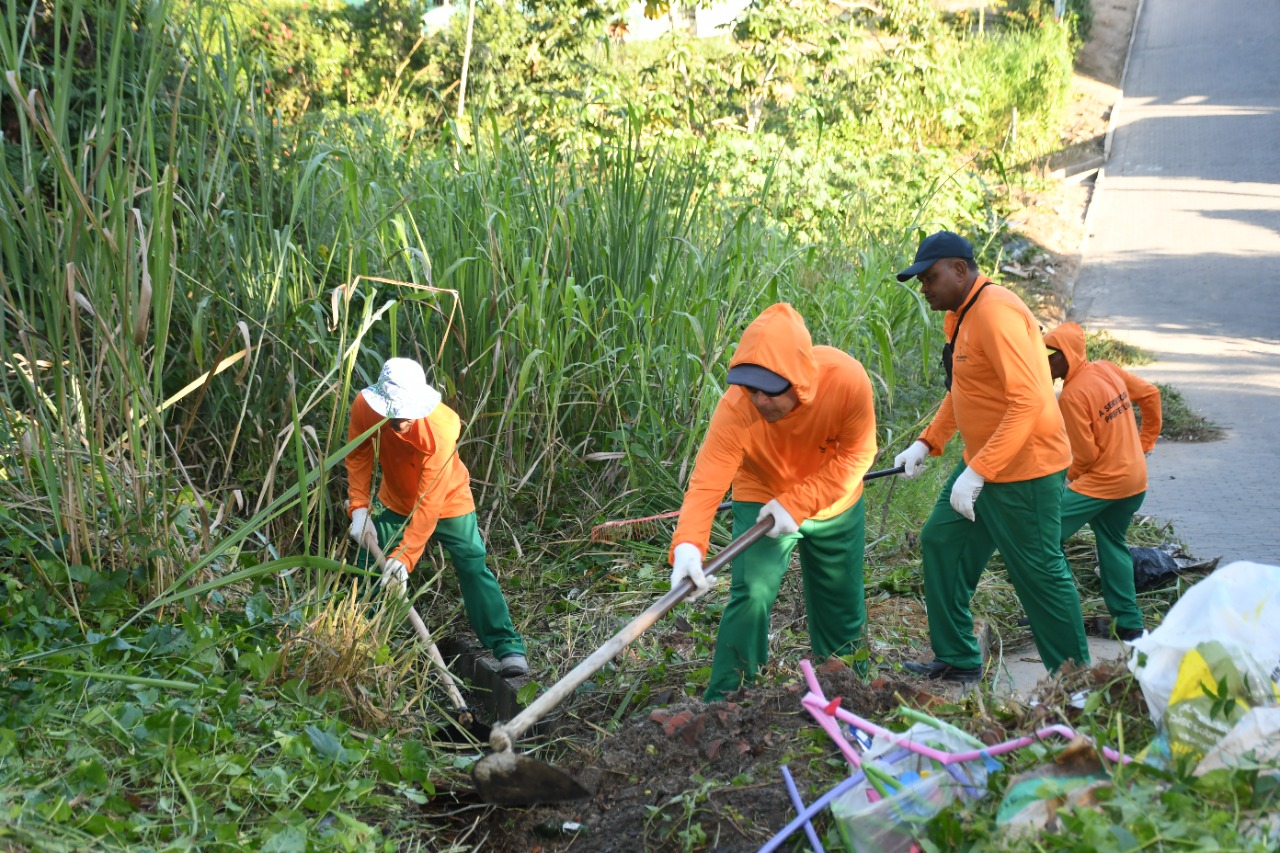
x=1087, y=224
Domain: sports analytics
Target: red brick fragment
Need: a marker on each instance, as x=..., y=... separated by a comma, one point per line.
x=832, y=664
x=690, y=731
x=676, y=722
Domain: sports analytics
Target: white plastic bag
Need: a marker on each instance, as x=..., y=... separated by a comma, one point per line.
x=1238, y=605
x=1254, y=742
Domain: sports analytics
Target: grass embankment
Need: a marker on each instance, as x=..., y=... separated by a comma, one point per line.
x=193, y=289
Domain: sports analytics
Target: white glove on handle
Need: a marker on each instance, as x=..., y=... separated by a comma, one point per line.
x=395, y=578
x=964, y=494
x=686, y=562
x=783, y=523
x=912, y=459
x=363, y=532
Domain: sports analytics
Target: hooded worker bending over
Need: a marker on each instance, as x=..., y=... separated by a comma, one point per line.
x=1007, y=493
x=1107, y=479
x=425, y=496
x=793, y=437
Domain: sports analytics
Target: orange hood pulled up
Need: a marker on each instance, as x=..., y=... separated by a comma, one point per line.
x=778, y=340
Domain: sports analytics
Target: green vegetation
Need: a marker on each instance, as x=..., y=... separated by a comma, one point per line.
x=1180, y=421
x=1101, y=346
x=216, y=220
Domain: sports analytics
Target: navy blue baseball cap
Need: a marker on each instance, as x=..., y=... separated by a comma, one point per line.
x=935, y=247
x=761, y=378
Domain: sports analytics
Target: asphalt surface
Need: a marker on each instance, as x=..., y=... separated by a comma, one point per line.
x=1183, y=258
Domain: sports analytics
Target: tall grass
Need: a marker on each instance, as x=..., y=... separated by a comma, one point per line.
x=193, y=293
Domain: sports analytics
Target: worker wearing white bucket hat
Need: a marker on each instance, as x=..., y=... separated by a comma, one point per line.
x=425, y=496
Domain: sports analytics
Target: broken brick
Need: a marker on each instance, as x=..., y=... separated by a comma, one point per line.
x=713, y=749
x=690, y=731
x=676, y=722
x=832, y=664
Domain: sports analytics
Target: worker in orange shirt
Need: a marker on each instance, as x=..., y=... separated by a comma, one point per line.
x=1107, y=480
x=1007, y=492
x=792, y=436
x=425, y=496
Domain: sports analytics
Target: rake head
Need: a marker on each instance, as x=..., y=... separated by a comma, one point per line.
x=630, y=530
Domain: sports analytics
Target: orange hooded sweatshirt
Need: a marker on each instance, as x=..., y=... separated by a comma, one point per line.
x=422, y=476
x=1097, y=404
x=812, y=460
x=1001, y=396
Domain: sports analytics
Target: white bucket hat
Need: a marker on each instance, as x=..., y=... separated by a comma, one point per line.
x=402, y=391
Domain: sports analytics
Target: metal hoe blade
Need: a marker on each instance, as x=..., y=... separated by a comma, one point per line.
x=508, y=779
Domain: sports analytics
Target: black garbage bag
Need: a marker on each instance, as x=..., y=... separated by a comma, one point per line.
x=1151, y=566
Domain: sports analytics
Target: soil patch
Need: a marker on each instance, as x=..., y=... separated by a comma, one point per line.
x=702, y=776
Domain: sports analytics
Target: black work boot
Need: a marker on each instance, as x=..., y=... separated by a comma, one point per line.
x=937, y=669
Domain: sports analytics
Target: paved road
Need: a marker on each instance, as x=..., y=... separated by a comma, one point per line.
x=1183, y=258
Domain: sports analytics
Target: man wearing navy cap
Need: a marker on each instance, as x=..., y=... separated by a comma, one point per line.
x=1007, y=492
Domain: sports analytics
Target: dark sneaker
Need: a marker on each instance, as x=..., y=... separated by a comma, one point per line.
x=513, y=666
x=937, y=669
x=1129, y=634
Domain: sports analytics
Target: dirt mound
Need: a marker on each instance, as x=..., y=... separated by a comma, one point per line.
x=701, y=776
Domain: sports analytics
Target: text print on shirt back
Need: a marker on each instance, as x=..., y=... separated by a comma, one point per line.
x=1115, y=407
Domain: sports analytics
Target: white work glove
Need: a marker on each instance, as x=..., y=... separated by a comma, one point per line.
x=912, y=459
x=964, y=494
x=783, y=523
x=363, y=532
x=686, y=562
x=395, y=578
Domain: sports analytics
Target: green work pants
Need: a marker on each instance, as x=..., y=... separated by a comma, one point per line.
x=481, y=596
x=1022, y=520
x=1110, y=522
x=831, y=553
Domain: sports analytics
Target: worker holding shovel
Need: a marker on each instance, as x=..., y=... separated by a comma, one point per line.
x=1107, y=480
x=425, y=496
x=1007, y=493
x=793, y=437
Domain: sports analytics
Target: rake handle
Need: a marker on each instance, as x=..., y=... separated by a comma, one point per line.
x=455, y=695
x=870, y=475
x=506, y=734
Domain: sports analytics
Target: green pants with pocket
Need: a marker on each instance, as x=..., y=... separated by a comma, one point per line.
x=1022, y=520
x=831, y=554
x=481, y=596
x=1110, y=521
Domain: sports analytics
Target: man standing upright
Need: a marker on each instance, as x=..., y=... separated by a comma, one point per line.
x=1007, y=492
x=1107, y=480
x=793, y=437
